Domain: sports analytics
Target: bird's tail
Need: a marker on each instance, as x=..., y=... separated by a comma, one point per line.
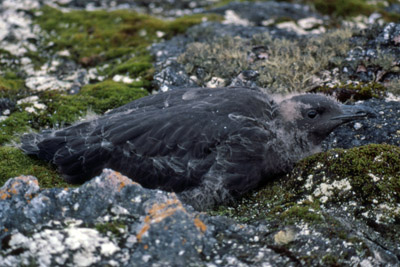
x=78, y=164
x=29, y=145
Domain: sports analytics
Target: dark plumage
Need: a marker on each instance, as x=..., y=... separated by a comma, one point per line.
x=205, y=144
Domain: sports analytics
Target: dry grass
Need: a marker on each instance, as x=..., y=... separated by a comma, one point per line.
x=285, y=65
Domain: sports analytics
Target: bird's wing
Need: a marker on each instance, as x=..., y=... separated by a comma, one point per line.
x=168, y=145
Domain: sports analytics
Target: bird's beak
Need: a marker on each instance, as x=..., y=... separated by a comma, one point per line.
x=352, y=112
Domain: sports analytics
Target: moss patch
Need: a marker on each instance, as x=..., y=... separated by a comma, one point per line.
x=354, y=92
x=62, y=110
x=119, y=38
x=368, y=176
x=14, y=163
x=331, y=193
x=372, y=172
x=12, y=86
x=352, y=8
x=17, y=122
x=343, y=8
x=116, y=228
x=98, y=98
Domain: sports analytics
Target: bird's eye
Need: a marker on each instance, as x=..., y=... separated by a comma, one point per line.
x=312, y=114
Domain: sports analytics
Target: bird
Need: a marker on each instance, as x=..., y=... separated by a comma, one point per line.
x=208, y=145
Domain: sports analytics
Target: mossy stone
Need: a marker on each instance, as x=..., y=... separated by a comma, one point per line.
x=372, y=173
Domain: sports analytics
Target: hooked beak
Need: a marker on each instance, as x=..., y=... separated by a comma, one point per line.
x=351, y=112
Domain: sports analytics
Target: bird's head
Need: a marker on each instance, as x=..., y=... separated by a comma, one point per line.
x=318, y=115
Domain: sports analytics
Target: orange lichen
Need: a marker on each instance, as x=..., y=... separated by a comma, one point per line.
x=146, y=247
x=119, y=180
x=142, y=231
x=200, y=225
x=159, y=211
x=4, y=195
x=13, y=189
x=27, y=179
x=121, y=185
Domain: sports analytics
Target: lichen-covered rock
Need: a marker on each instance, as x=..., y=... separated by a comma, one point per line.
x=112, y=220
x=109, y=220
x=338, y=207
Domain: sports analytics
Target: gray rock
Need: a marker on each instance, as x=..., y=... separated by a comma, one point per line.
x=385, y=128
x=376, y=56
x=6, y=106
x=110, y=219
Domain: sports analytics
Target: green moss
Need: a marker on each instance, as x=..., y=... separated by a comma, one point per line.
x=343, y=8
x=100, y=97
x=330, y=260
x=14, y=163
x=306, y=213
x=11, y=86
x=17, y=122
x=274, y=202
x=354, y=92
x=119, y=38
x=62, y=109
x=116, y=228
x=136, y=66
x=108, y=95
x=351, y=8
x=373, y=171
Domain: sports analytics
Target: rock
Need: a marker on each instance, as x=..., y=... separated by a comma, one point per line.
x=130, y=225
x=330, y=206
x=382, y=129
x=110, y=219
x=172, y=76
x=378, y=50
x=6, y=106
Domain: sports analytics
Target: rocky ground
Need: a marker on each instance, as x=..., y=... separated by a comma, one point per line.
x=64, y=60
